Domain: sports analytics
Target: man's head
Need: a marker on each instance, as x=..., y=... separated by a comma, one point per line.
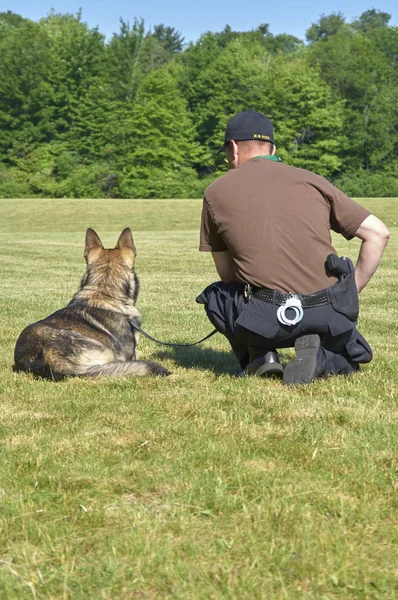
x=248, y=134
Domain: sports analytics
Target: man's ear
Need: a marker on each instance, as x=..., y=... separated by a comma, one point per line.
x=126, y=241
x=233, y=158
x=273, y=150
x=234, y=148
x=93, y=243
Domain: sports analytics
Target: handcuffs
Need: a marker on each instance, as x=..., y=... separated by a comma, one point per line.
x=295, y=304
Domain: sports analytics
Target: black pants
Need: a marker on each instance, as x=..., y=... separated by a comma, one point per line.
x=254, y=323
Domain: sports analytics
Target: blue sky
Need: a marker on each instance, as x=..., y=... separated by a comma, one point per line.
x=194, y=18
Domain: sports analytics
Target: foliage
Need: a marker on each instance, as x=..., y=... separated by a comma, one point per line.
x=123, y=60
x=308, y=124
x=326, y=27
x=9, y=20
x=171, y=40
x=143, y=114
x=361, y=74
x=371, y=21
x=366, y=184
x=159, y=168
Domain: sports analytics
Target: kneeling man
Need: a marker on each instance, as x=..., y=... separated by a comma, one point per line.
x=268, y=227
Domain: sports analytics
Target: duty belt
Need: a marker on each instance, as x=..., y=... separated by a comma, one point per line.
x=279, y=298
x=294, y=302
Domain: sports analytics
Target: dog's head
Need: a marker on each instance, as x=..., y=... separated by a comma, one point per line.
x=124, y=248
x=111, y=270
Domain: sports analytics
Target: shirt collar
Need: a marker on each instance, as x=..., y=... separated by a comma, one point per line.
x=273, y=157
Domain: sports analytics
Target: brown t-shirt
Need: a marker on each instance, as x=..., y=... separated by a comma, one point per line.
x=276, y=222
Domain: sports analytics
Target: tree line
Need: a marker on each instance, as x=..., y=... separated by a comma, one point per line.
x=141, y=115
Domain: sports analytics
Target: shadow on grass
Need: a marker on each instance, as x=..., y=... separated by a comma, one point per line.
x=202, y=359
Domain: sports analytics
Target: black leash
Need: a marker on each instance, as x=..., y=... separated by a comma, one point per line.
x=138, y=328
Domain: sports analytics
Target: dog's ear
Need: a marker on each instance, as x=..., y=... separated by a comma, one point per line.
x=93, y=242
x=126, y=241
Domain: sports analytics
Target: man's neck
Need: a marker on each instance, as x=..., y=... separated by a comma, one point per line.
x=245, y=157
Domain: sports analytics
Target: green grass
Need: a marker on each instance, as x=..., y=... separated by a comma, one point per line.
x=198, y=485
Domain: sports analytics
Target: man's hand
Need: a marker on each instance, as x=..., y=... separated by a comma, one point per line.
x=374, y=235
x=225, y=266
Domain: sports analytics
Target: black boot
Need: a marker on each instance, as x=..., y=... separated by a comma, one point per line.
x=310, y=361
x=262, y=363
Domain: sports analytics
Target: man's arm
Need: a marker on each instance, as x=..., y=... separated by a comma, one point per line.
x=225, y=266
x=374, y=235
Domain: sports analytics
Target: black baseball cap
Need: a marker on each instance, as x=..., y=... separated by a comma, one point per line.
x=248, y=125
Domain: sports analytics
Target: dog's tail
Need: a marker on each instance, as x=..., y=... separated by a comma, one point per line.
x=44, y=366
x=134, y=368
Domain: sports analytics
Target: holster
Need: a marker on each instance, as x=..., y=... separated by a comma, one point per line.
x=343, y=295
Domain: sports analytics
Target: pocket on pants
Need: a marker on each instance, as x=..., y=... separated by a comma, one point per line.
x=259, y=317
x=339, y=324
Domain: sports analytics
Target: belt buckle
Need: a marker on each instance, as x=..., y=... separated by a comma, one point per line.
x=294, y=303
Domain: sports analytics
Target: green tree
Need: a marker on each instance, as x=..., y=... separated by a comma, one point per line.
x=76, y=58
x=45, y=69
x=327, y=26
x=283, y=43
x=195, y=59
x=374, y=24
x=235, y=79
x=307, y=118
x=169, y=37
x=160, y=46
x=9, y=21
x=159, y=148
x=25, y=93
x=98, y=136
x=124, y=55
x=360, y=74
x=371, y=20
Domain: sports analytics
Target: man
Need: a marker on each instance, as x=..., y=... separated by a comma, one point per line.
x=268, y=227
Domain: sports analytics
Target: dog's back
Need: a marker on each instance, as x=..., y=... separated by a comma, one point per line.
x=92, y=336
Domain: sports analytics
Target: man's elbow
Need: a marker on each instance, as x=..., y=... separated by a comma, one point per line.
x=387, y=236
x=373, y=230
x=384, y=236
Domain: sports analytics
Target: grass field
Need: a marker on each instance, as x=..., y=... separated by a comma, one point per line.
x=199, y=485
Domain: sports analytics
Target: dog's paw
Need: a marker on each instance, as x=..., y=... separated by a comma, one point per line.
x=163, y=372
x=160, y=371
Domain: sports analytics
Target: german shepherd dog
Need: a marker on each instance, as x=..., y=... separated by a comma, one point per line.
x=92, y=335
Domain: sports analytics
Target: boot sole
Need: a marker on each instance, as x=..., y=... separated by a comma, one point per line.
x=305, y=367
